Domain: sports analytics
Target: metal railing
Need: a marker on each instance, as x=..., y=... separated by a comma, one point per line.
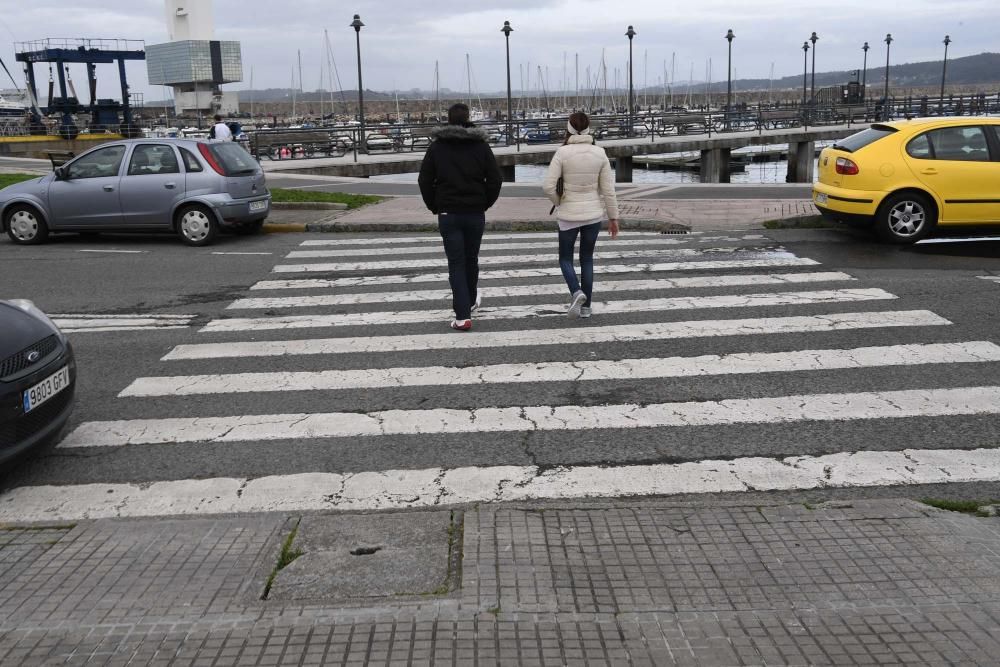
x=339, y=140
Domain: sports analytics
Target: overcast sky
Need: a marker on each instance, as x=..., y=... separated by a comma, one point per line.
x=403, y=38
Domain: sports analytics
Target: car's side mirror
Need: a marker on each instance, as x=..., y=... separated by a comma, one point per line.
x=61, y=174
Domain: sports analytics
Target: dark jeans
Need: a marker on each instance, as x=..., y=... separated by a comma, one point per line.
x=588, y=239
x=462, y=234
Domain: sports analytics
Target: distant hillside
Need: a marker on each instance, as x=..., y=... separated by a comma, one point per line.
x=978, y=70
x=969, y=70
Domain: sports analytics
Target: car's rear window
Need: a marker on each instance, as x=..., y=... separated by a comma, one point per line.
x=233, y=158
x=864, y=138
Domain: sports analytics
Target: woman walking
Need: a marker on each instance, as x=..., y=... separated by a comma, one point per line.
x=587, y=200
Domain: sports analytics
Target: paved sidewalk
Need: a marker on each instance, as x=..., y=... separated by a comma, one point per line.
x=649, y=583
x=696, y=214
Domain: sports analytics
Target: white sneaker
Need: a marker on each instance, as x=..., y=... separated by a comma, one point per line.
x=584, y=312
x=478, y=303
x=579, y=298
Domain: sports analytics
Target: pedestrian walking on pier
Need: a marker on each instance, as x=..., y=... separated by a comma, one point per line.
x=460, y=180
x=587, y=199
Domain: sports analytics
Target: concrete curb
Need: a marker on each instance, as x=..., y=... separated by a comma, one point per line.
x=308, y=206
x=491, y=226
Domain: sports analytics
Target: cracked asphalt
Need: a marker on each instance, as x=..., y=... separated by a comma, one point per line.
x=168, y=278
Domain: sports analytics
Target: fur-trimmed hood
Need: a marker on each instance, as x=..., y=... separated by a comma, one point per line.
x=458, y=133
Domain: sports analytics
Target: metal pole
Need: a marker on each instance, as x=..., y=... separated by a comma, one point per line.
x=888, y=45
x=805, y=70
x=506, y=32
x=814, y=38
x=729, y=76
x=357, y=25
x=944, y=72
x=864, y=74
x=631, y=98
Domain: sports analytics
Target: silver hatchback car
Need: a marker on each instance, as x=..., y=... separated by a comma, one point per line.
x=191, y=187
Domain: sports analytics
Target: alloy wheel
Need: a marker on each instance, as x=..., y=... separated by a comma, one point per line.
x=907, y=218
x=195, y=225
x=24, y=225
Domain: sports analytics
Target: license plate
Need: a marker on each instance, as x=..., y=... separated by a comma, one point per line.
x=820, y=198
x=258, y=206
x=46, y=389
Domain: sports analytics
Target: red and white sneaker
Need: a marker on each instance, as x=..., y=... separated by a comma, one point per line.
x=461, y=325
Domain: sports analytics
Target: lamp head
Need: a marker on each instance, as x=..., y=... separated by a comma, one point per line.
x=630, y=33
x=947, y=40
x=865, y=47
x=356, y=23
x=814, y=38
x=506, y=29
x=730, y=36
x=888, y=38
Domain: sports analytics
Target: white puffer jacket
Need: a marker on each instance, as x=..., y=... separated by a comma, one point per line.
x=588, y=181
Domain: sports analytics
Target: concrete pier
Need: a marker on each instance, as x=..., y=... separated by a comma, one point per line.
x=623, y=169
x=715, y=165
x=801, y=162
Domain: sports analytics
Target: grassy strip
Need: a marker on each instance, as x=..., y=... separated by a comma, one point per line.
x=963, y=506
x=802, y=222
x=310, y=196
x=11, y=179
x=286, y=556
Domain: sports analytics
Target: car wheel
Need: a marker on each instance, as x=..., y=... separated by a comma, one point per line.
x=904, y=218
x=26, y=226
x=197, y=225
x=249, y=228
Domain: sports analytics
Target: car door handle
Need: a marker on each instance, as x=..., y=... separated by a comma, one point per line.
x=109, y=188
x=929, y=172
x=170, y=186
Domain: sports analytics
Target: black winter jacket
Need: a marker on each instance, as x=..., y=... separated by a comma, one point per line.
x=459, y=173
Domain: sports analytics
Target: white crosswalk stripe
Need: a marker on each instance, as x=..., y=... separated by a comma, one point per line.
x=612, y=269
x=552, y=245
x=736, y=280
x=777, y=410
x=240, y=391
x=397, y=489
x=578, y=371
x=491, y=260
x=487, y=238
x=542, y=337
x=551, y=310
x=995, y=279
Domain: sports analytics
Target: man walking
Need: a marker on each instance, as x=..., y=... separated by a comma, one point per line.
x=221, y=131
x=459, y=180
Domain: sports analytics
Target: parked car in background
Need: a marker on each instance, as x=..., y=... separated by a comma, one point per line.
x=191, y=187
x=909, y=177
x=37, y=380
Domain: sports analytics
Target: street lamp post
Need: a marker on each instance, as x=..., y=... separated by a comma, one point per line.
x=506, y=30
x=944, y=72
x=630, y=33
x=864, y=73
x=805, y=70
x=357, y=25
x=814, y=38
x=729, y=76
x=885, y=108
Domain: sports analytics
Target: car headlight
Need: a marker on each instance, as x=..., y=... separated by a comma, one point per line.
x=31, y=309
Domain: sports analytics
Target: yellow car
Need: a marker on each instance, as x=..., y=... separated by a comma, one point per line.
x=910, y=176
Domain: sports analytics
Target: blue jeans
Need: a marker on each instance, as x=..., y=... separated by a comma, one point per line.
x=462, y=234
x=588, y=239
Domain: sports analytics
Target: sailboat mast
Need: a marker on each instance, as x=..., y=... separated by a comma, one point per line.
x=468, y=76
x=437, y=89
x=576, y=102
x=673, y=59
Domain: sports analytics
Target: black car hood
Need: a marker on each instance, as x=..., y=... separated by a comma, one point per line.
x=18, y=330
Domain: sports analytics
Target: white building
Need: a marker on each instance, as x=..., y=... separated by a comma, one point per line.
x=193, y=63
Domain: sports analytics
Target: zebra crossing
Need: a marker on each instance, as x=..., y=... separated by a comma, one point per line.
x=712, y=364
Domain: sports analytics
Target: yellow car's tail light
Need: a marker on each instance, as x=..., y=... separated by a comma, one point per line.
x=847, y=167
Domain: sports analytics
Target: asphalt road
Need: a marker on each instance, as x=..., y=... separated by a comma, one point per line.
x=122, y=275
